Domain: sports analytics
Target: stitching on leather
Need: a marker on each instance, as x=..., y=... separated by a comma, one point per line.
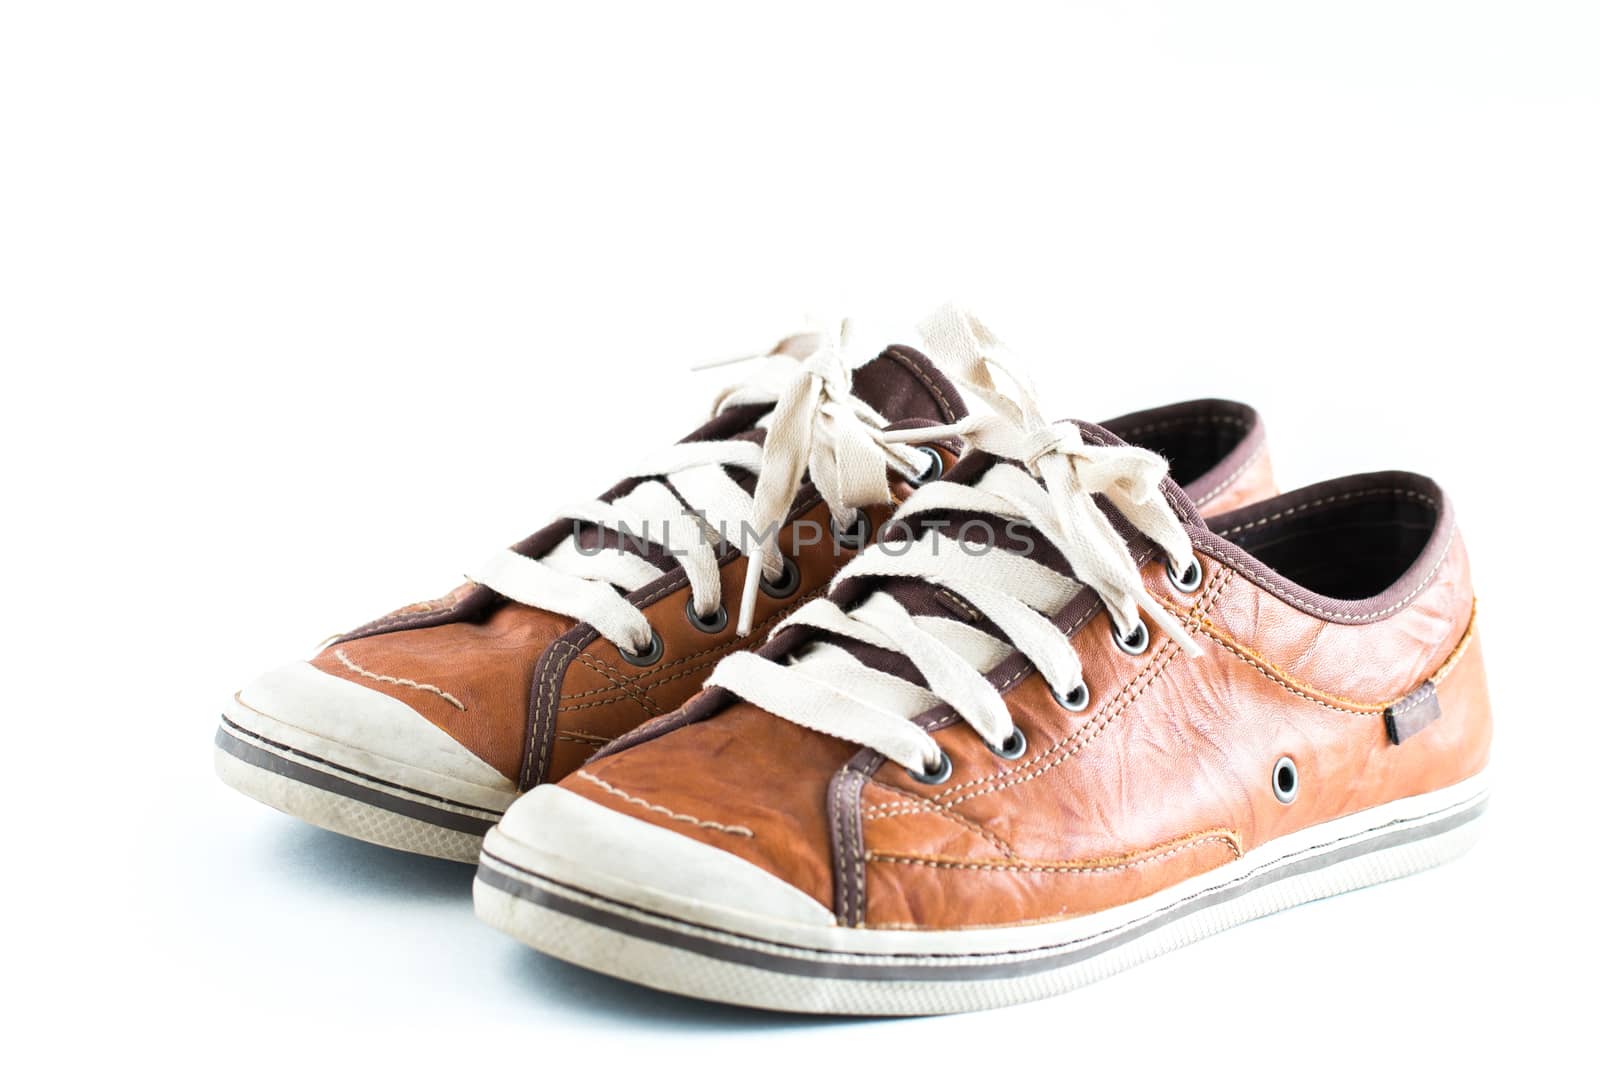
x=1336, y=616
x=1288, y=681
x=1210, y=632
x=851, y=859
x=1305, y=692
x=858, y=852
x=734, y=640
x=545, y=712
x=1207, y=596
x=933, y=387
x=582, y=738
x=838, y=839
x=1072, y=744
x=1238, y=473
x=619, y=692
x=624, y=686
x=352, y=665
x=1430, y=501
x=754, y=639
x=677, y=816
x=1214, y=587
x=1460, y=650
x=1101, y=865
x=1021, y=672
x=918, y=803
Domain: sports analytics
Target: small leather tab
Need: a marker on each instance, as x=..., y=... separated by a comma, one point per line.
x=1412, y=713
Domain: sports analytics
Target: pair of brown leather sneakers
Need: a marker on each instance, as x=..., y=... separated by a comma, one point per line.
x=853, y=701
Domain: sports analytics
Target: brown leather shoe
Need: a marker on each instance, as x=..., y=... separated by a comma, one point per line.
x=1076, y=727
x=417, y=730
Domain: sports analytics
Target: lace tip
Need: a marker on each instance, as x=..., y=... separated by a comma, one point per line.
x=747, y=597
x=726, y=361
x=1169, y=624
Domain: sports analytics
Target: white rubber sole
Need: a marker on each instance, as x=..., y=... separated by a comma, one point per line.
x=739, y=958
x=352, y=792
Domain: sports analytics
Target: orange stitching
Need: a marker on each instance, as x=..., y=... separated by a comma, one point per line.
x=1164, y=653
x=1460, y=650
x=924, y=805
x=1287, y=681
x=1099, y=865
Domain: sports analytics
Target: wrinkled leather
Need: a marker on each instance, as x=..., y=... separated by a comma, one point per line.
x=1165, y=775
x=602, y=696
x=541, y=694
x=484, y=664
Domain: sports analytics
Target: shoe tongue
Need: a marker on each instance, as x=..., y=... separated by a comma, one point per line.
x=903, y=385
x=900, y=383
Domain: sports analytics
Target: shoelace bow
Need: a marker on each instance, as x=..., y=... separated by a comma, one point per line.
x=816, y=424
x=1050, y=489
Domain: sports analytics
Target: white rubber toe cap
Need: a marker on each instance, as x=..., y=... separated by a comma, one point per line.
x=567, y=838
x=337, y=719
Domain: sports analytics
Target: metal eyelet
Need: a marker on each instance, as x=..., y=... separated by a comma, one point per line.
x=787, y=581
x=1285, y=780
x=1076, y=699
x=935, y=469
x=857, y=537
x=939, y=774
x=709, y=624
x=1189, y=580
x=1133, y=643
x=646, y=656
x=1013, y=747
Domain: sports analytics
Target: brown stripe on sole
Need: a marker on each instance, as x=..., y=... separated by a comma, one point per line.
x=997, y=966
x=254, y=752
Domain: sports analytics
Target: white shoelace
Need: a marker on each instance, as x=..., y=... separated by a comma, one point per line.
x=825, y=688
x=816, y=424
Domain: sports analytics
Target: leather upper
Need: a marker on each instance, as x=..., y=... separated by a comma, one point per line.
x=535, y=694
x=1169, y=770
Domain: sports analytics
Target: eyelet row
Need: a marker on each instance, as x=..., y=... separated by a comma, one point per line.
x=784, y=585
x=1135, y=643
x=1189, y=580
x=1285, y=780
x=1011, y=748
x=1077, y=698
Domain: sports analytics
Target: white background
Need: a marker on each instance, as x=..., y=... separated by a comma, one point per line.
x=304, y=307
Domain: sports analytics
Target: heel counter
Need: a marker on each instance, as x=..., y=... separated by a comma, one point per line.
x=1253, y=482
x=1465, y=719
